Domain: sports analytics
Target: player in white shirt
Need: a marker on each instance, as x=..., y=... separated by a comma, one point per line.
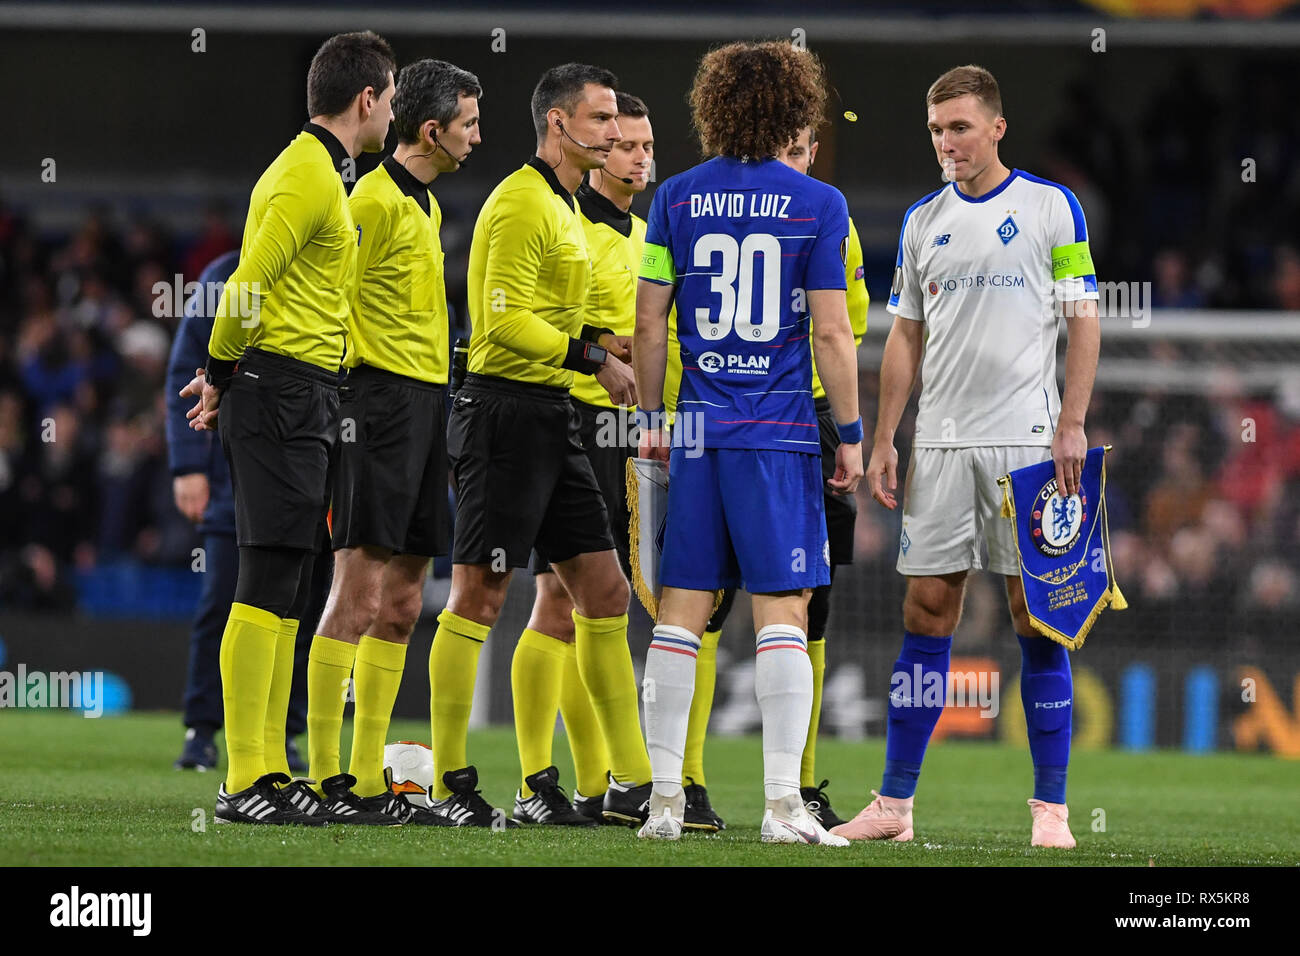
x=987, y=267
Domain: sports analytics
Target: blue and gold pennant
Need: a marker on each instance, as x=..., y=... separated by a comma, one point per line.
x=1064, y=548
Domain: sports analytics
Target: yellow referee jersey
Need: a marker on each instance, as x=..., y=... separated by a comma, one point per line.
x=858, y=300
x=399, y=315
x=529, y=274
x=673, y=370
x=614, y=241
x=292, y=291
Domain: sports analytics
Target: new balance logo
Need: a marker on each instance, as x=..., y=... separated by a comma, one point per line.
x=941, y=240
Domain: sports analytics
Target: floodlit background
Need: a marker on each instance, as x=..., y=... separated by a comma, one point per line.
x=135, y=133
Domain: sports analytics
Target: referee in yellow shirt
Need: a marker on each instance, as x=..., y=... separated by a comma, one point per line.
x=390, y=488
x=274, y=355
x=522, y=478
x=544, y=674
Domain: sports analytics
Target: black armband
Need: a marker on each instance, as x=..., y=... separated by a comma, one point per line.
x=592, y=333
x=585, y=357
x=219, y=372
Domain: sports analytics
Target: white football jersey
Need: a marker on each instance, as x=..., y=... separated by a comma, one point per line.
x=987, y=277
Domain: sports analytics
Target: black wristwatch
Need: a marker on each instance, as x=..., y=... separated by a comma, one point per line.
x=219, y=372
x=583, y=356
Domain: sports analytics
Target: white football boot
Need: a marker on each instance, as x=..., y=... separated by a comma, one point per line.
x=666, y=817
x=787, y=820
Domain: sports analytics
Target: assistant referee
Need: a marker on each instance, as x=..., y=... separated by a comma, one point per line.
x=390, y=489
x=273, y=364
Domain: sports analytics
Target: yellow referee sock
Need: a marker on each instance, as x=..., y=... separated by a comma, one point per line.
x=247, y=662
x=536, y=677
x=706, y=677
x=329, y=665
x=376, y=682
x=807, y=767
x=586, y=742
x=606, y=667
x=453, y=666
x=277, y=703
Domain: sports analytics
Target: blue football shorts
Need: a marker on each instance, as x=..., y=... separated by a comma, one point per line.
x=745, y=517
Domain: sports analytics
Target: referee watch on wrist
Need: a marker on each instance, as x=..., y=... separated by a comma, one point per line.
x=583, y=356
x=219, y=372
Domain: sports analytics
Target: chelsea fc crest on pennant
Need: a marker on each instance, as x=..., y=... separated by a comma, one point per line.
x=1057, y=519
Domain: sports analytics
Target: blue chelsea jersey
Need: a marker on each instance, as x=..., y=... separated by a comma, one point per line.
x=743, y=242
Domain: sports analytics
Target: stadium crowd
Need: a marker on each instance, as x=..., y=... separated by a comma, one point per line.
x=1205, y=520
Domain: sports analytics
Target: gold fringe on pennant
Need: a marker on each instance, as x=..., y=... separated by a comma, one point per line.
x=1117, y=600
x=647, y=597
x=643, y=592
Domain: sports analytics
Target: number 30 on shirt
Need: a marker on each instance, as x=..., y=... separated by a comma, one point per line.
x=736, y=309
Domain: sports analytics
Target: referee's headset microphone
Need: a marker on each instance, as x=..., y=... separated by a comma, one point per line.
x=559, y=124
x=433, y=131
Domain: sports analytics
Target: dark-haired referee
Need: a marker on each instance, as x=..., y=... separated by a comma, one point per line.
x=544, y=673
x=273, y=363
x=390, y=488
x=522, y=477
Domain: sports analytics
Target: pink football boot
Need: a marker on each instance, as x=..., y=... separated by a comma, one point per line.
x=884, y=818
x=1050, y=826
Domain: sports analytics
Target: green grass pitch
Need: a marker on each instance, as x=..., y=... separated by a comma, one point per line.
x=79, y=792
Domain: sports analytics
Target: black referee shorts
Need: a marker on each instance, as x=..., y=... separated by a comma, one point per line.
x=390, y=487
x=604, y=436
x=522, y=478
x=841, y=510
x=278, y=424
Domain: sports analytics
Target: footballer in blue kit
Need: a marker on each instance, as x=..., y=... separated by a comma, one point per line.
x=747, y=248
x=753, y=236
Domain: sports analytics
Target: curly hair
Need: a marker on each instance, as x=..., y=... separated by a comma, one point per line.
x=751, y=99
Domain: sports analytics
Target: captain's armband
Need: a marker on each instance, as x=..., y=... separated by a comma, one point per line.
x=657, y=264
x=1072, y=262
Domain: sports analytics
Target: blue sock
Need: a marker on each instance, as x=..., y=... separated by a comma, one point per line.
x=918, y=689
x=1047, y=692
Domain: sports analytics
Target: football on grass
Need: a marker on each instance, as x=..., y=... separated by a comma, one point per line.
x=411, y=765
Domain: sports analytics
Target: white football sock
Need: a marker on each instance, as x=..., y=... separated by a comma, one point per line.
x=666, y=692
x=783, y=681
